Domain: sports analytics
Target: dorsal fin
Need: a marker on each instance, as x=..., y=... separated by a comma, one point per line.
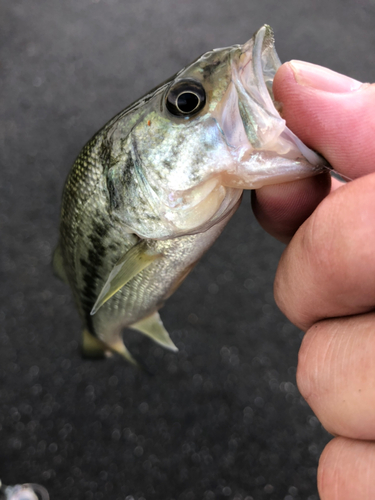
x=132, y=263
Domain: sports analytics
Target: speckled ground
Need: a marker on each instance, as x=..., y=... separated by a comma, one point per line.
x=222, y=418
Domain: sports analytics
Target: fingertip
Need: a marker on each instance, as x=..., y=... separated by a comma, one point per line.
x=282, y=208
x=346, y=470
x=330, y=113
x=284, y=77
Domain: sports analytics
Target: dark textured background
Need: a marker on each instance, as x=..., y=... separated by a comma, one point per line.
x=222, y=419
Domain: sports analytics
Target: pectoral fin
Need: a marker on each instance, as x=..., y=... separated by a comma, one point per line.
x=153, y=327
x=132, y=263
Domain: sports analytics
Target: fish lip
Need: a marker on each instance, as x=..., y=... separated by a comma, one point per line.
x=264, y=53
x=258, y=67
x=246, y=115
x=255, y=74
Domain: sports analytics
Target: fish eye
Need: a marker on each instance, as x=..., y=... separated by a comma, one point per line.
x=186, y=98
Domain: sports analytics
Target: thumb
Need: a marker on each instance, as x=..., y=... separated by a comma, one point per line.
x=330, y=113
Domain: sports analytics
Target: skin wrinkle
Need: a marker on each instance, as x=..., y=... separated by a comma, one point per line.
x=304, y=380
x=342, y=460
x=324, y=259
x=346, y=342
x=308, y=240
x=328, y=472
x=321, y=473
x=362, y=366
x=326, y=246
x=285, y=291
x=311, y=258
x=326, y=361
x=337, y=469
x=340, y=374
x=335, y=374
x=290, y=283
x=368, y=465
x=335, y=472
x=357, y=460
x=329, y=361
x=370, y=468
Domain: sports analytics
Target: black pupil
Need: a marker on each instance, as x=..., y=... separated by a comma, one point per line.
x=187, y=102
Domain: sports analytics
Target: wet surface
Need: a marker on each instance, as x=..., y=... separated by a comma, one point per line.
x=222, y=418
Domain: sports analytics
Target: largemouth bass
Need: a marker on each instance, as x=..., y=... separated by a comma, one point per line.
x=153, y=189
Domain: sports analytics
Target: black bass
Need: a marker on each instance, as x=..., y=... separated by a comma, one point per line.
x=153, y=189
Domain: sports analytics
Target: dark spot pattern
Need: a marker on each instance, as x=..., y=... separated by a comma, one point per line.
x=117, y=184
x=210, y=68
x=92, y=266
x=128, y=170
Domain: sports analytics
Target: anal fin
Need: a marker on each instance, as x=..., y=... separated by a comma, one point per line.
x=153, y=327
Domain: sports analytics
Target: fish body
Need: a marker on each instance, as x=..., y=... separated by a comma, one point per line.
x=153, y=189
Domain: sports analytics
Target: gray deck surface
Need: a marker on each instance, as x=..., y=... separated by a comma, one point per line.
x=221, y=419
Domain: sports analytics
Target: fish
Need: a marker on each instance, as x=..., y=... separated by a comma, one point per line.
x=153, y=189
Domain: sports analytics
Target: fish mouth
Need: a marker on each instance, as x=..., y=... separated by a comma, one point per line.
x=252, y=125
x=256, y=69
x=264, y=64
x=254, y=73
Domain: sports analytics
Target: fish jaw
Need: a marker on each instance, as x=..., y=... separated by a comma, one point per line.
x=264, y=150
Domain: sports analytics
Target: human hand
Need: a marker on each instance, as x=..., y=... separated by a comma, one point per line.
x=325, y=282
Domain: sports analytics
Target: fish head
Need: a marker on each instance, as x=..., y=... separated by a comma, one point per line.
x=183, y=154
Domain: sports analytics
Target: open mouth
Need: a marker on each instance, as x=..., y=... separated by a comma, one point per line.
x=258, y=67
x=253, y=74
x=263, y=149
